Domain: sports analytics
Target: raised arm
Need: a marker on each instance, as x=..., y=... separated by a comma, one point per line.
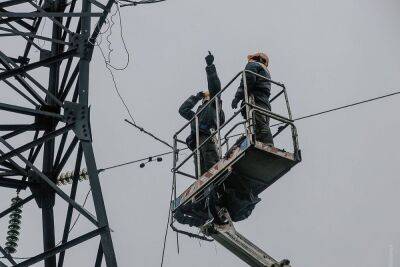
x=186, y=108
x=214, y=84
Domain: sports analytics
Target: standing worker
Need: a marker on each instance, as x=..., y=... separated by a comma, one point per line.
x=260, y=90
x=207, y=119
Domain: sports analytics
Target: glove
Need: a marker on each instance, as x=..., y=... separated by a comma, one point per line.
x=235, y=103
x=200, y=95
x=209, y=59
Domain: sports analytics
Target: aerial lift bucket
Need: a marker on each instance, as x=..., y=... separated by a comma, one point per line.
x=229, y=190
x=247, y=168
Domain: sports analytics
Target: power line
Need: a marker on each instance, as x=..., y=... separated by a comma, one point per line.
x=134, y=161
x=148, y=133
x=170, y=152
x=341, y=107
x=297, y=119
x=347, y=106
x=139, y=160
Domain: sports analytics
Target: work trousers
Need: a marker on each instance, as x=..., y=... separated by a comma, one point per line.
x=208, y=155
x=261, y=129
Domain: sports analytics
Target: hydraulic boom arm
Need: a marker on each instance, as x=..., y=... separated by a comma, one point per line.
x=228, y=237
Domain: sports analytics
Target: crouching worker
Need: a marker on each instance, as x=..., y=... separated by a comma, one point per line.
x=258, y=89
x=207, y=119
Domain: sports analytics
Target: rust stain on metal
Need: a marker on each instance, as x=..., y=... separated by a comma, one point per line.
x=206, y=177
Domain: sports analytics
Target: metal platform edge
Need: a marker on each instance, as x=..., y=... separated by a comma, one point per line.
x=218, y=169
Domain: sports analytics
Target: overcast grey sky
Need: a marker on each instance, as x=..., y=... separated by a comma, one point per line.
x=339, y=206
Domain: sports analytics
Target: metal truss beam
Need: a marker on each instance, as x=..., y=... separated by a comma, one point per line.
x=21, y=93
x=28, y=34
x=36, y=142
x=44, y=102
x=70, y=208
x=19, y=204
x=7, y=256
x=10, y=64
x=15, y=127
x=47, y=180
x=12, y=3
x=19, y=21
x=42, y=63
x=47, y=14
x=29, y=111
x=63, y=247
x=12, y=183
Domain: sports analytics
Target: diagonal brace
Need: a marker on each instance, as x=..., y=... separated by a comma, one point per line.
x=16, y=205
x=63, y=247
x=32, y=66
x=36, y=142
x=46, y=179
x=29, y=111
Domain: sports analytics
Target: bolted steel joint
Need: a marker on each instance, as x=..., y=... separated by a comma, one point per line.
x=79, y=115
x=84, y=47
x=74, y=39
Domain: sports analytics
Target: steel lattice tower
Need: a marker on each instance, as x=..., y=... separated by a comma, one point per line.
x=54, y=112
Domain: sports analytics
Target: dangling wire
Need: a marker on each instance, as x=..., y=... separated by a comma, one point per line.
x=110, y=50
x=166, y=228
x=110, y=68
x=78, y=216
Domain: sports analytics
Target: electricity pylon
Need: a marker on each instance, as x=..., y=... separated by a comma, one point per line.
x=48, y=122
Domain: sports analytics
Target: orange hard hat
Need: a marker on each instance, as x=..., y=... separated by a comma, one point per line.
x=259, y=56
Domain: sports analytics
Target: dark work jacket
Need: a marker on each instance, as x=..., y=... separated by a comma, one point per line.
x=208, y=117
x=258, y=87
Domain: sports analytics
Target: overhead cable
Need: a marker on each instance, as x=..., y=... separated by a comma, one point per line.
x=148, y=133
x=297, y=119
x=138, y=160
x=341, y=107
x=347, y=106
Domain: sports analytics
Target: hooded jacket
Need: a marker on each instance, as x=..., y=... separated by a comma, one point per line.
x=258, y=87
x=208, y=117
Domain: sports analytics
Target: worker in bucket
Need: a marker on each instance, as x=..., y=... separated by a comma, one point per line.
x=259, y=90
x=207, y=118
